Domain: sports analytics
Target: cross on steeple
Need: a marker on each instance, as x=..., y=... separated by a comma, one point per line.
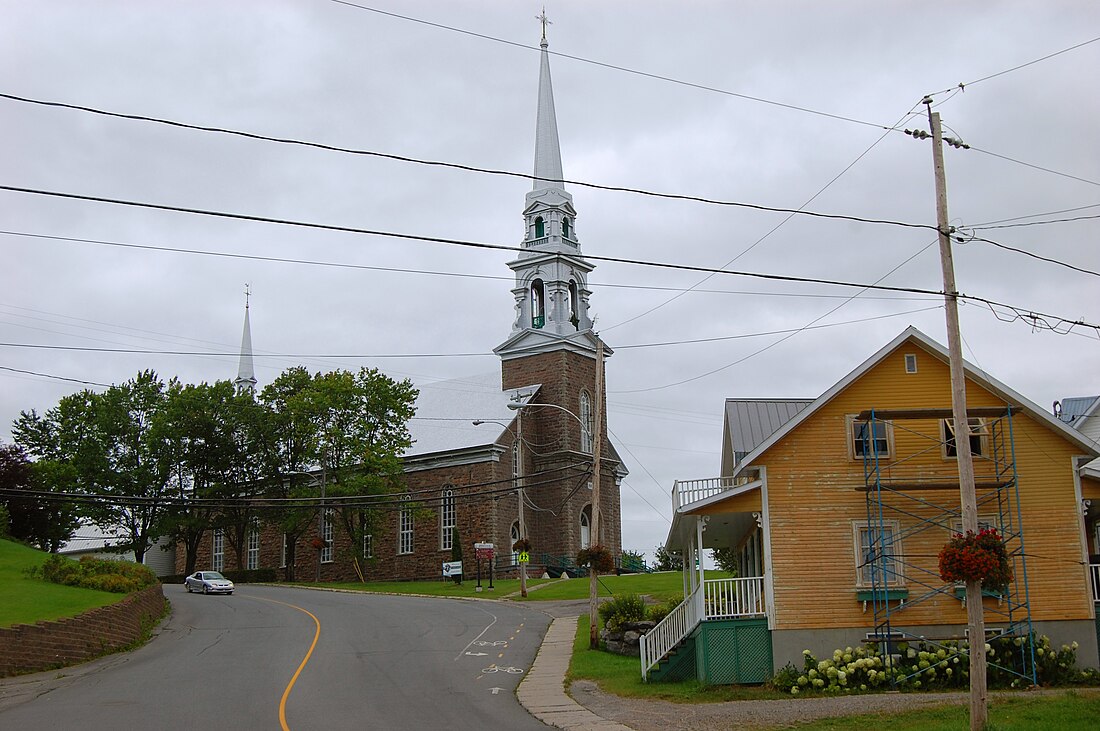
x=545, y=22
x=247, y=294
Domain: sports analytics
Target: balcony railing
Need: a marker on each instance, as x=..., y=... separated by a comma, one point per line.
x=732, y=598
x=685, y=492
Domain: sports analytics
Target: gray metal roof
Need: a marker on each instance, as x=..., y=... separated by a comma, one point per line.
x=750, y=421
x=1074, y=408
x=446, y=410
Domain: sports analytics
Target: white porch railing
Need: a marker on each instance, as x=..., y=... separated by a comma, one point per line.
x=729, y=598
x=685, y=492
x=716, y=599
x=669, y=632
x=1095, y=570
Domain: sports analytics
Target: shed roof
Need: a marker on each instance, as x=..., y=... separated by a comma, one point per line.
x=751, y=421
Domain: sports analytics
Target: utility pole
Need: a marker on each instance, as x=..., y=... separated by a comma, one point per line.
x=975, y=619
x=594, y=537
x=519, y=494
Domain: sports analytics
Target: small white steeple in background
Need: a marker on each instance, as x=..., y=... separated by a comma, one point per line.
x=246, y=372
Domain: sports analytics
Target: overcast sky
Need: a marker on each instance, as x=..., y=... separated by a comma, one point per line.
x=327, y=72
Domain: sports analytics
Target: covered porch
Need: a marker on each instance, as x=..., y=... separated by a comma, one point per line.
x=720, y=633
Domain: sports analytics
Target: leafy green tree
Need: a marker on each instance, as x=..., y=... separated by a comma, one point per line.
x=725, y=559
x=110, y=446
x=35, y=517
x=665, y=561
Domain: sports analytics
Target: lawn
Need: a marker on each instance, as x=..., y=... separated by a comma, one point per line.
x=467, y=589
x=1047, y=712
x=24, y=600
x=658, y=586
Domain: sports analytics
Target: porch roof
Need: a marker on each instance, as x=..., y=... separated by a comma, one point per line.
x=729, y=515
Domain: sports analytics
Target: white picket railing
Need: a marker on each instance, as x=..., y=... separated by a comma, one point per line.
x=685, y=492
x=669, y=632
x=719, y=599
x=730, y=598
x=1095, y=568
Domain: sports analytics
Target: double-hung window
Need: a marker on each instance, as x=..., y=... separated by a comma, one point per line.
x=217, y=557
x=405, y=529
x=447, y=522
x=253, y=555
x=877, y=547
x=869, y=438
x=326, y=536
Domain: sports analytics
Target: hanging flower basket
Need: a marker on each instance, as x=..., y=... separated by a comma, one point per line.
x=598, y=558
x=980, y=556
x=317, y=543
x=522, y=546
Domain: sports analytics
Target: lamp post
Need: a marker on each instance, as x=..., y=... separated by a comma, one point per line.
x=594, y=529
x=518, y=467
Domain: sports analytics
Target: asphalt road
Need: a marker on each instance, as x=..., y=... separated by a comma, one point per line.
x=240, y=662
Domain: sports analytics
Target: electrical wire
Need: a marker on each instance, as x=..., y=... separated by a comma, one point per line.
x=500, y=247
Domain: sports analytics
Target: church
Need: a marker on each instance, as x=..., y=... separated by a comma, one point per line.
x=497, y=458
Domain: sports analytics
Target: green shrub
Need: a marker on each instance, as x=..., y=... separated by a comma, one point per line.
x=625, y=608
x=929, y=666
x=121, y=577
x=657, y=612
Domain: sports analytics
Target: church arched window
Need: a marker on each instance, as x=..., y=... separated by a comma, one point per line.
x=540, y=227
x=573, y=318
x=587, y=443
x=586, y=526
x=538, y=300
x=565, y=227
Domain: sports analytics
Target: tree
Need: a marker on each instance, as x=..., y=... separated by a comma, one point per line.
x=35, y=517
x=359, y=433
x=726, y=560
x=110, y=446
x=665, y=561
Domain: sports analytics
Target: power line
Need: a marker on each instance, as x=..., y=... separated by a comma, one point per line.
x=1038, y=215
x=962, y=86
x=398, y=270
x=501, y=247
x=614, y=67
x=58, y=378
x=1035, y=167
x=1033, y=255
x=455, y=166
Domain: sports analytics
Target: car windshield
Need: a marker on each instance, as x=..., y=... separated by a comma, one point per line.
x=212, y=575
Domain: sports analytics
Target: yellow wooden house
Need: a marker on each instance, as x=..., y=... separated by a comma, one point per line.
x=837, y=508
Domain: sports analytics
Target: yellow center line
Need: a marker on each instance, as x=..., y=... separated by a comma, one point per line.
x=293, y=680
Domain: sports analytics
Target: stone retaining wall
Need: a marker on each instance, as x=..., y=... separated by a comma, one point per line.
x=28, y=648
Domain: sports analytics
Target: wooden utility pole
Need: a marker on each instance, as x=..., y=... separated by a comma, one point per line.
x=975, y=619
x=519, y=494
x=594, y=524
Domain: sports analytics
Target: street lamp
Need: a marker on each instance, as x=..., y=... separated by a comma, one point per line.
x=594, y=529
x=519, y=490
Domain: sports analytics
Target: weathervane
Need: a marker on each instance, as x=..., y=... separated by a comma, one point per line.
x=545, y=22
x=247, y=294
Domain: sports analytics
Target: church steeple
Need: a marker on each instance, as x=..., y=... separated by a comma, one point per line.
x=551, y=291
x=246, y=372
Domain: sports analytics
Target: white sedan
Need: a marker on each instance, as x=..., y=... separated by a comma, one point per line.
x=208, y=582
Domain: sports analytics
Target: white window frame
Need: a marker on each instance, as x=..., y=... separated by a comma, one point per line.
x=910, y=363
x=894, y=577
x=513, y=534
x=404, y=530
x=368, y=545
x=984, y=521
x=448, y=519
x=588, y=442
x=976, y=428
x=586, y=527
x=282, y=556
x=252, y=554
x=327, y=530
x=855, y=453
x=217, y=550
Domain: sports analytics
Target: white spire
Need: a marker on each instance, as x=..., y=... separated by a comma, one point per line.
x=547, y=149
x=246, y=372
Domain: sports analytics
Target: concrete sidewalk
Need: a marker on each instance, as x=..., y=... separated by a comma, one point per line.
x=542, y=690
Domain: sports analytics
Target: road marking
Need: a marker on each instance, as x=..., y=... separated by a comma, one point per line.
x=293, y=680
x=494, y=691
x=478, y=654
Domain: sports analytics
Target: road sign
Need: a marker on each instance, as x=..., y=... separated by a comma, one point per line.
x=524, y=557
x=452, y=568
